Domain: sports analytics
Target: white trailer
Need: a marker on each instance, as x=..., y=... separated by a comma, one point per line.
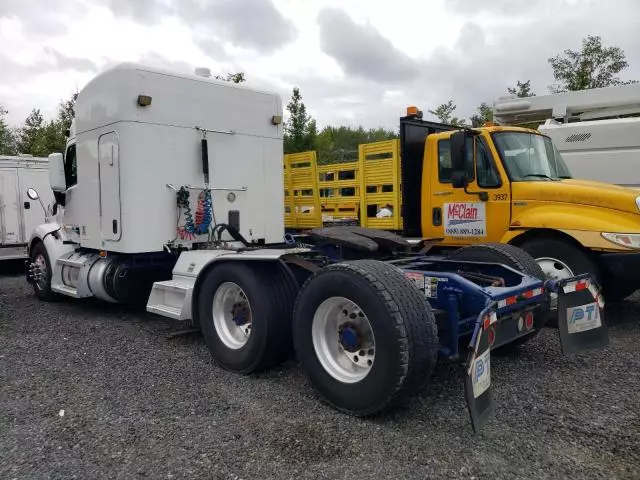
x=597, y=131
x=19, y=215
x=170, y=195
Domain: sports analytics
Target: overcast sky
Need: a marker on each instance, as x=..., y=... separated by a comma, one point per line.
x=355, y=61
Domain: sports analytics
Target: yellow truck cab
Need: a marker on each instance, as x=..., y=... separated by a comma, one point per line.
x=511, y=185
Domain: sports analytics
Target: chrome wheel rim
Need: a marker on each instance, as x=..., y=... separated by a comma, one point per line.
x=343, y=340
x=232, y=317
x=554, y=269
x=40, y=271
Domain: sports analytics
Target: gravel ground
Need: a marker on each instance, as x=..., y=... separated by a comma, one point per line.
x=139, y=405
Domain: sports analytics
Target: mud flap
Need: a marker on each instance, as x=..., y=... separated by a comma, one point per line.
x=580, y=315
x=477, y=384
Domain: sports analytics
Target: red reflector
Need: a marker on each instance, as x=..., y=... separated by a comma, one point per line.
x=581, y=286
x=528, y=321
x=511, y=300
x=491, y=336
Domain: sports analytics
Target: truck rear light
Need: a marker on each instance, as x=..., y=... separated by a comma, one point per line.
x=528, y=320
x=520, y=323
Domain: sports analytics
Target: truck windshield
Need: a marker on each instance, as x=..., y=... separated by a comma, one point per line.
x=527, y=157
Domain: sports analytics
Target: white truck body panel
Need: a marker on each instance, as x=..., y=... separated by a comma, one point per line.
x=172, y=298
x=603, y=150
x=19, y=215
x=583, y=125
x=127, y=154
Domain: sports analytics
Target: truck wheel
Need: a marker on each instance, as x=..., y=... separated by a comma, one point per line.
x=513, y=257
x=42, y=285
x=559, y=259
x=365, y=336
x=244, y=312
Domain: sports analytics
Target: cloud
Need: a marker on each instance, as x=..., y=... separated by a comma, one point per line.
x=255, y=24
x=154, y=59
x=361, y=50
x=355, y=62
x=146, y=12
x=502, y=7
x=64, y=62
x=252, y=24
x=39, y=20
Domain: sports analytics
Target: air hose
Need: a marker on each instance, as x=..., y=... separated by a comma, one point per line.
x=204, y=214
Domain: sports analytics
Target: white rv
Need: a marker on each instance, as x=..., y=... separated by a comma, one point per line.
x=595, y=130
x=19, y=215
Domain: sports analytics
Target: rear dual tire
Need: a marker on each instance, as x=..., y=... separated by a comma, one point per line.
x=393, y=321
x=244, y=312
x=393, y=334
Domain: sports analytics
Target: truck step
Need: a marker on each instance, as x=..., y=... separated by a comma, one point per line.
x=65, y=290
x=70, y=262
x=172, y=298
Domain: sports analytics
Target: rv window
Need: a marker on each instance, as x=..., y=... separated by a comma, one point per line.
x=70, y=166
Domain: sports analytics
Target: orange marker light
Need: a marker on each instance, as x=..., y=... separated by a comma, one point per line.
x=412, y=111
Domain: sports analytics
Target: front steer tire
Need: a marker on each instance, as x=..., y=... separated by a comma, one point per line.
x=403, y=324
x=270, y=294
x=42, y=289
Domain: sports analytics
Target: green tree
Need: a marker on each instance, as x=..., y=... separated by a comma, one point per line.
x=238, y=77
x=485, y=114
x=7, y=138
x=29, y=138
x=340, y=144
x=522, y=89
x=594, y=66
x=444, y=113
x=66, y=111
x=300, y=130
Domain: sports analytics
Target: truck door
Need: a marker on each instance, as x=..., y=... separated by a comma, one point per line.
x=37, y=178
x=10, y=211
x=109, y=174
x=461, y=217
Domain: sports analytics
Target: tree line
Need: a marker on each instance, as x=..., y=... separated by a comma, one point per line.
x=36, y=136
x=593, y=66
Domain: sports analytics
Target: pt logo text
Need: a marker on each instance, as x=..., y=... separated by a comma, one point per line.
x=583, y=318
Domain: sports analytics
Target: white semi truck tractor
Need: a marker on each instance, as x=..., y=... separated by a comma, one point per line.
x=170, y=195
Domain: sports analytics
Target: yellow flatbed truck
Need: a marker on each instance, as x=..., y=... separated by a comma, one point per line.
x=510, y=185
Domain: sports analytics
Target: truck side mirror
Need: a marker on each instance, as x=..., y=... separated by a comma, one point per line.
x=459, y=179
x=458, y=150
x=57, y=178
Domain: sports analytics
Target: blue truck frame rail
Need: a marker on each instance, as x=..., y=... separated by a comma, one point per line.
x=509, y=309
x=457, y=296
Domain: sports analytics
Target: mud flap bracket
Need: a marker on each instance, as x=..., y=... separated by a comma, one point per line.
x=477, y=384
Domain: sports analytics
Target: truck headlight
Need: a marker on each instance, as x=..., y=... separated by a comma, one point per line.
x=629, y=240
x=638, y=202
